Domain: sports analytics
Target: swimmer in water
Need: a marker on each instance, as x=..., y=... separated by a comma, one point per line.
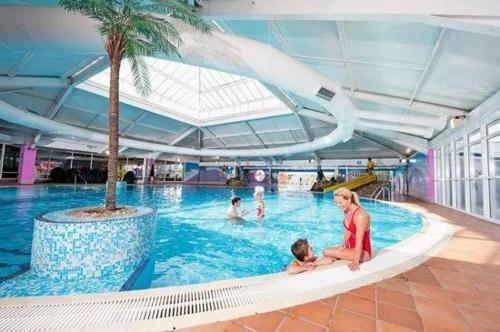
x=259, y=197
x=304, y=258
x=232, y=212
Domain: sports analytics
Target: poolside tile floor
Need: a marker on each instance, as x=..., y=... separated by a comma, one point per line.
x=457, y=290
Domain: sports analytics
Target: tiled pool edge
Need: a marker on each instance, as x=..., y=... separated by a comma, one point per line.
x=284, y=291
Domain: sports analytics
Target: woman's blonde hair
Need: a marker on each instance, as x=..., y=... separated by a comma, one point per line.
x=347, y=194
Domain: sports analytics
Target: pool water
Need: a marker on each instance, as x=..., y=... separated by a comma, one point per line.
x=195, y=242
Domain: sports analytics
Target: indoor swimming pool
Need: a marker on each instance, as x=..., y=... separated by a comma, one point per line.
x=194, y=243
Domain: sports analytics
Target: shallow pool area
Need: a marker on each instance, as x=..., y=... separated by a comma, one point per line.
x=194, y=242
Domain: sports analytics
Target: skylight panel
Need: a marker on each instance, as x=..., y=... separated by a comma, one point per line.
x=198, y=93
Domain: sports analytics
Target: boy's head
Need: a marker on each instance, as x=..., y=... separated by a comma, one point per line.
x=236, y=201
x=369, y=159
x=302, y=250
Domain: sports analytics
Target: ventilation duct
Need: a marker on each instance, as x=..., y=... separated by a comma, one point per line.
x=325, y=94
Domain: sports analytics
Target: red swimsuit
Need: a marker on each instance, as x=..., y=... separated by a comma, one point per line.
x=366, y=246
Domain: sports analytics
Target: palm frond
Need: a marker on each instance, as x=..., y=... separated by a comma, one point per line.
x=180, y=10
x=140, y=71
x=135, y=28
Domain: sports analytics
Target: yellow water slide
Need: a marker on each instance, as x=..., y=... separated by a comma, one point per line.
x=353, y=184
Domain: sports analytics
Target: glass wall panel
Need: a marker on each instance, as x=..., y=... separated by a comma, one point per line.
x=439, y=192
x=460, y=167
x=494, y=156
x=475, y=136
x=475, y=161
x=460, y=194
x=494, y=128
x=448, y=163
x=449, y=198
x=476, y=196
x=11, y=162
x=495, y=198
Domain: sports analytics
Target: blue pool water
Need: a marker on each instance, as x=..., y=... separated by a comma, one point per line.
x=194, y=242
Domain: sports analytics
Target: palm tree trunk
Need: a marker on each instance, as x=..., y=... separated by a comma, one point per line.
x=113, y=133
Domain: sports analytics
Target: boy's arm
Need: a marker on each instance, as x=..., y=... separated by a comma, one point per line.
x=231, y=213
x=323, y=261
x=294, y=268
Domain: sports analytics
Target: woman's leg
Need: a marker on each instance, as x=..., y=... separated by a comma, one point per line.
x=347, y=254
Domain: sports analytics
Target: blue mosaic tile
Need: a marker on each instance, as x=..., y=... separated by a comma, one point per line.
x=69, y=248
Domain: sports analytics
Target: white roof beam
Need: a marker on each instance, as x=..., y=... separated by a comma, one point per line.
x=223, y=86
x=32, y=82
x=172, y=78
x=24, y=59
x=403, y=103
x=212, y=136
x=89, y=70
x=467, y=16
x=255, y=134
x=131, y=125
x=346, y=52
x=419, y=131
x=385, y=147
x=14, y=90
x=341, y=62
x=428, y=68
x=183, y=135
x=425, y=121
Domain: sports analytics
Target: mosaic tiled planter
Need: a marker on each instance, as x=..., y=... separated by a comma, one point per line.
x=69, y=248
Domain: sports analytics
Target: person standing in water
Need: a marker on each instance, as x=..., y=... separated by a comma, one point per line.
x=259, y=197
x=356, y=246
x=152, y=174
x=232, y=212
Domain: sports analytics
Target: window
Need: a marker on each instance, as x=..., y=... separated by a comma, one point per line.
x=494, y=128
x=11, y=162
x=460, y=181
x=476, y=196
x=460, y=142
x=476, y=183
x=475, y=136
x=475, y=157
x=494, y=168
x=494, y=156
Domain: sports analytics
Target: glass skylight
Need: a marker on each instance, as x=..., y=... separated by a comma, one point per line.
x=197, y=93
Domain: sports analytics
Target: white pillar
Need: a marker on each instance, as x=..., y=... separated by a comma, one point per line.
x=467, y=175
x=485, y=172
x=91, y=160
x=71, y=162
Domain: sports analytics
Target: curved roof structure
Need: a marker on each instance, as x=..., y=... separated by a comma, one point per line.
x=407, y=71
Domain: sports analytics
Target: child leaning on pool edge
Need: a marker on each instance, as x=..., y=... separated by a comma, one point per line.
x=304, y=258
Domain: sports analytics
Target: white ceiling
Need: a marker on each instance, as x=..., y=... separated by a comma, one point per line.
x=388, y=67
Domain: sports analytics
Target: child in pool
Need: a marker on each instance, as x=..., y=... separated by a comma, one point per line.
x=304, y=258
x=259, y=197
x=232, y=212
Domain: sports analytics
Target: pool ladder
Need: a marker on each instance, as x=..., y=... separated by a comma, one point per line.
x=81, y=177
x=385, y=191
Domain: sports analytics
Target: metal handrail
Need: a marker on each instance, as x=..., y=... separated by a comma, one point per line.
x=81, y=177
x=385, y=191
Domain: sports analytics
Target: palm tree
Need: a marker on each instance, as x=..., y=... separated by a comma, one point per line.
x=133, y=29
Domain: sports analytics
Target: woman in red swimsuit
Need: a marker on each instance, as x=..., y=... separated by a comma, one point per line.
x=356, y=246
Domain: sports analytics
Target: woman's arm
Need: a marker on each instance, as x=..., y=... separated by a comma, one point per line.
x=346, y=238
x=361, y=220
